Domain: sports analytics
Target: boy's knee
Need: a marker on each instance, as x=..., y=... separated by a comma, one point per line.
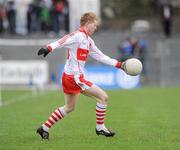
x=69, y=109
x=104, y=98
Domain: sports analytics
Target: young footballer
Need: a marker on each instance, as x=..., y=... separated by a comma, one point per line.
x=80, y=46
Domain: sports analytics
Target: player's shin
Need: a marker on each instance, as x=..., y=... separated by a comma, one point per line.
x=57, y=115
x=100, y=115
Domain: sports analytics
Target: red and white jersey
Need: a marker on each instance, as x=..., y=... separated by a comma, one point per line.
x=80, y=46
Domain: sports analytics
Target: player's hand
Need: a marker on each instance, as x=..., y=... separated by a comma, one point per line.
x=43, y=51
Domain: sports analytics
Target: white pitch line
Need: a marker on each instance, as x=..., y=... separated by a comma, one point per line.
x=21, y=98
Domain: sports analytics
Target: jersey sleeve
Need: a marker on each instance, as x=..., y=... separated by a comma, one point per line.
x=67, y=41
x=96, y=54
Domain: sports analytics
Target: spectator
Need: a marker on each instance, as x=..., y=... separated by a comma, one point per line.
x=29, y=18
x=11, y=16
x=2, y=17
x=55, y=12
x=66, y=15
x=126, y=50
x=134, y=47
x=44, y=18
x=166, y=16
x=32, y=18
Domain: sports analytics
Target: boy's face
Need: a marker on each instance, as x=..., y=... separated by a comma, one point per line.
x=91, y=27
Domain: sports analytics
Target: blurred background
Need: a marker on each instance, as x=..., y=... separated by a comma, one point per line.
x=145, y=29
x=144, y=118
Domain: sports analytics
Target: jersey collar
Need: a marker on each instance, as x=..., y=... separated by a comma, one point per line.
x=81, y=29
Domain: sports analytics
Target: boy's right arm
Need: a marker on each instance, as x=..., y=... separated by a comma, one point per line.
x=66, y=41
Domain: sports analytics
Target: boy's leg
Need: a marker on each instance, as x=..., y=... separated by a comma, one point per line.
x=58, y=114
x=102, y=99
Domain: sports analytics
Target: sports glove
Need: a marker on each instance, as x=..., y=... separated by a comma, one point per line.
x=123, y=65
x=43, y=51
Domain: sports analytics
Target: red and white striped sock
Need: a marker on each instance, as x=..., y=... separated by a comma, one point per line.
x=100, y=116
x=57, y=115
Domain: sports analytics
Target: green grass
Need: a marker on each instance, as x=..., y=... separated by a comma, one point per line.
x=144, y=119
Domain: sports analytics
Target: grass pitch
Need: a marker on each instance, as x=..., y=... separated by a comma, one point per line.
x=144, y=119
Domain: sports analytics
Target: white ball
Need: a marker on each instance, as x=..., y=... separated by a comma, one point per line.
x=133, y=66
